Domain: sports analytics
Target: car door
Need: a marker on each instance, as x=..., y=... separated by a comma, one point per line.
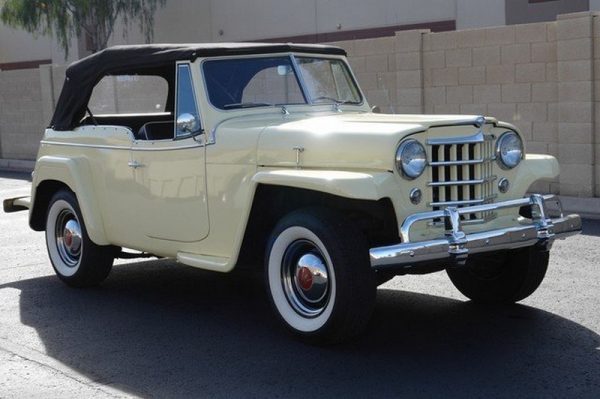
x=170, y=178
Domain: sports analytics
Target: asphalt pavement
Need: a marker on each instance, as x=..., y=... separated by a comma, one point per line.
x=160, y=329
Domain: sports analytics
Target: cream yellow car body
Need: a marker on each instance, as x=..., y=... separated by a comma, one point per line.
x=346, y=151
x=278, y=161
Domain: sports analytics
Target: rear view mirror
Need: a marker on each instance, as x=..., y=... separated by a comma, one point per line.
x=283, y=70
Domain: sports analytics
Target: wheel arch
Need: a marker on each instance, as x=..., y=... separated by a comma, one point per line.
x=55, y=173
x=375, y=217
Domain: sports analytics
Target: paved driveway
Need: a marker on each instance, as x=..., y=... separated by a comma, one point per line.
x=159, y=329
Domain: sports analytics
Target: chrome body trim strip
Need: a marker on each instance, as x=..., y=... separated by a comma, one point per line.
x=456, y=246
x=117, y=147
x=99, y=146
x=170, y=148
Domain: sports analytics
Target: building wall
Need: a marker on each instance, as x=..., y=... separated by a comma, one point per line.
x=18, y=47
x=526, y=11
x=183, y=21
x=241, y=20
x=507, y=72
x=21, y=116
x=542, y=77
x=478, y=14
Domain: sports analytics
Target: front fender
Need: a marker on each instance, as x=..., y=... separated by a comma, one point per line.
x=542, y=166
x=76, y=174
x=355, y=185
x=533, y=168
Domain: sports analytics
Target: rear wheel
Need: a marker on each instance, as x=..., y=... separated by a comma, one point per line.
x=75, y=258
x=502, y=277
x=319, y=277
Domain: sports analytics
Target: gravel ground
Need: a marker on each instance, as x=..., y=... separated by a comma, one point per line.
x=159, y=329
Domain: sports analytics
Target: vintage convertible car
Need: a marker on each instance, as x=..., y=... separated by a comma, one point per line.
x=230, y=154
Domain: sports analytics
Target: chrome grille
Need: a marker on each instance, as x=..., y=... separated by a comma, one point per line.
x=462, y=174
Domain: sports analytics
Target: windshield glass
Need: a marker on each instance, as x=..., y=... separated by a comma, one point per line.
x=328, y=81
x=269, y=81
x=252, y=82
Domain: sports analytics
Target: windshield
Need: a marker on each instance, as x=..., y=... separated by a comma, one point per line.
x=271, y=81
x=328, y=80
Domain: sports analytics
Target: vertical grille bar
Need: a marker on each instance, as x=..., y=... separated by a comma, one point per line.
x=466, y=171
x=442, y=172
x=454, y=171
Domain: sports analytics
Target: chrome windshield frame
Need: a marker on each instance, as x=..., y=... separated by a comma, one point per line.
x=301, y=81
x=297, y=72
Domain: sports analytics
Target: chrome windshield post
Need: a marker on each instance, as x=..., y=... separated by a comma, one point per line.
x=301, y=80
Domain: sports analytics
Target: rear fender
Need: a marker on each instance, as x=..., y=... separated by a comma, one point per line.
x=76, y=174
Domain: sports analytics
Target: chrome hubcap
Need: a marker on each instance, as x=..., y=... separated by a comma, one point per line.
x=68, y=237
x=305, y=278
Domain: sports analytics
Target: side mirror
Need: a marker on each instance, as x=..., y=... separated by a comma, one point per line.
x=187, y=124
x=375, y=109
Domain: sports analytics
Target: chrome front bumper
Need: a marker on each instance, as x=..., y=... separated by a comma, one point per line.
x=456, y=246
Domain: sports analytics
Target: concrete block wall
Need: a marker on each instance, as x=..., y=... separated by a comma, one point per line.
x=542, y=77
x=21, y=116
x=507, y=72
x=596, y=102
x=575, y=75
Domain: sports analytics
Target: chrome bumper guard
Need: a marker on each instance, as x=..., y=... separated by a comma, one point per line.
x=456, y=246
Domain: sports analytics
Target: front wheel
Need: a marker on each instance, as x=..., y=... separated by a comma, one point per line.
x=319, y=277
x=77, y=260
x=502, y=277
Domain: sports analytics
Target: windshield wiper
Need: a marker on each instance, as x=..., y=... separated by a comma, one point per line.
x=247, y=105
x=335, y=100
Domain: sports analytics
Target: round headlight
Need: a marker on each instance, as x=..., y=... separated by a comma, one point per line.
x=509, y=150
x=411, y=159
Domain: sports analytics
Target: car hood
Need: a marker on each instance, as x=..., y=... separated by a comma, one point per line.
x=344, y=141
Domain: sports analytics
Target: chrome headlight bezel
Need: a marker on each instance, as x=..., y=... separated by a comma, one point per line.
x=507, y=157
x=414, y=167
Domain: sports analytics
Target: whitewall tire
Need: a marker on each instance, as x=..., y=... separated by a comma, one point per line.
x=75, y=258
x=318, y=276
x=288, y=290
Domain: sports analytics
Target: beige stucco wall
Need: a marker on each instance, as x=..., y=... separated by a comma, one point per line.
x=241, y=20
x=182, y=21
x=542, y=77
x=19, y=46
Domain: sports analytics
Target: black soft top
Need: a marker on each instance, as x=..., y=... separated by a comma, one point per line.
x=154, y=59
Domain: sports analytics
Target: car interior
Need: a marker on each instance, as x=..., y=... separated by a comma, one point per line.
x=142, y=101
